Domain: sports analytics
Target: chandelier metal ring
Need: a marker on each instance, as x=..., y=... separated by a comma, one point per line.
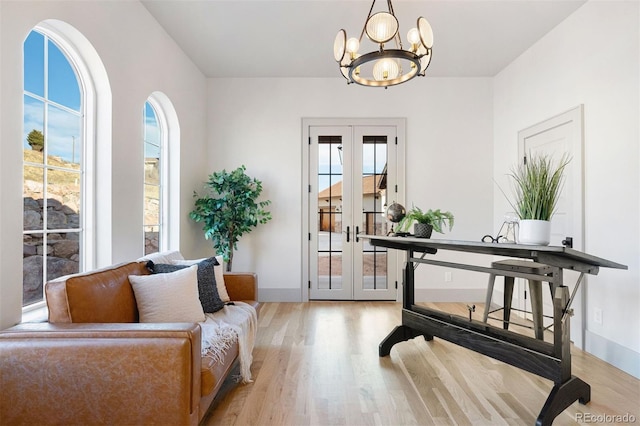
x=386, y=54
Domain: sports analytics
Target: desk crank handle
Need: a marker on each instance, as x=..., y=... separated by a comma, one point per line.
x=471, y=309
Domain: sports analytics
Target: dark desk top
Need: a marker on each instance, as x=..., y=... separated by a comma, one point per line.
x=551, y=255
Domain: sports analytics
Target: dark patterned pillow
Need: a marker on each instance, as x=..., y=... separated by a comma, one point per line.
x=207, y=289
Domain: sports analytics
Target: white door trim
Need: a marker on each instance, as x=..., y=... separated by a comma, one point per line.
x=573, y=117
x=399, y=123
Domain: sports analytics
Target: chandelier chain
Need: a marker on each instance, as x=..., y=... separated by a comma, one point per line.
x=364, y=27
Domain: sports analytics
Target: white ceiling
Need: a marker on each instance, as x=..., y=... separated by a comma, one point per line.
x=294, y=38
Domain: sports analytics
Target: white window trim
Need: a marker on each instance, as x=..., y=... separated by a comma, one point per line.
x=164, y=223
x=168, y=118
x=97, y=101
x=36, y=309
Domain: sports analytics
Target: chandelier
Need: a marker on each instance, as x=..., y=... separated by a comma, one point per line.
x=390, y=64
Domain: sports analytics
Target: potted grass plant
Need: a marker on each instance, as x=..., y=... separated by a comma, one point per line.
x=425, y=222
x=537, y=184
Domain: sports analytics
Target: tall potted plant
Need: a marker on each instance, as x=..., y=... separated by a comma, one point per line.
x=426, y=222
x=230, y=209
x=537, y=184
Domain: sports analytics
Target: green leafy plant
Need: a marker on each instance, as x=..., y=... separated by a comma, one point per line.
x=537, y=184
x=35, y=139
x=436, y=218
x=230, y=209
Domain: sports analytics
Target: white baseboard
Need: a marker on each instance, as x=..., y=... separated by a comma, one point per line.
x=279, y=295
x=466, y=295
x=615, y=354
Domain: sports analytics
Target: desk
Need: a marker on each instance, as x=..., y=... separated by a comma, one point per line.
x=549, y=360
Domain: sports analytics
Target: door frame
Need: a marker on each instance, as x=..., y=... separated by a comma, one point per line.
x=400, y=125
x=575, y=117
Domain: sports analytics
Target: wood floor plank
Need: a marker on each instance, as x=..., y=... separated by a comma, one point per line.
x=317, y=364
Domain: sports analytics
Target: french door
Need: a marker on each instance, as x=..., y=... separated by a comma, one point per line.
x=352, y=176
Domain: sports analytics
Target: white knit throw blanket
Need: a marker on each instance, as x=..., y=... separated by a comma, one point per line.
x=232, y=323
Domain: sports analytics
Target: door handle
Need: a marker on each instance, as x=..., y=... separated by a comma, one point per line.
x=348, y=234
x=357, y=233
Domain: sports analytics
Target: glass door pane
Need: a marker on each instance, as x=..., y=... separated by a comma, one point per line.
x=329, y=222
x=329, y=244
x=375, y=182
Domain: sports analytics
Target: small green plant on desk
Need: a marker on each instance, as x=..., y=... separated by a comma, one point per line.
x=426, y=221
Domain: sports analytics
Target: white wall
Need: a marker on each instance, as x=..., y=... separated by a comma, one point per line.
x=139, y=58
x=591, y=58
x=257, y=122
x=460, y=135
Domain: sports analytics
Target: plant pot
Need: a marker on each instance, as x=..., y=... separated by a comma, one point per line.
x=422, y=230
x=534, y=232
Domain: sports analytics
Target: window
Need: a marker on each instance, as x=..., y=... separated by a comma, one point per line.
x=53, y=171
x=154, y=179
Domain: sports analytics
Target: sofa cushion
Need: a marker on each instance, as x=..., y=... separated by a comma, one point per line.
x=219, y=273
x=101, y=296
x=170, y=297
x=167, y=256
x=214, y=372
x=207, y=289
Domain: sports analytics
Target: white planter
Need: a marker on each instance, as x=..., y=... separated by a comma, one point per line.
x=534, y=232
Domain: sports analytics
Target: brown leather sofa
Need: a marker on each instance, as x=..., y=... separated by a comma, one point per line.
x=93, y=363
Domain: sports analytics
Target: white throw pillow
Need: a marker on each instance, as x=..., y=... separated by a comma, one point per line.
x=222, y=287
x=218, y=271
x=171, y=297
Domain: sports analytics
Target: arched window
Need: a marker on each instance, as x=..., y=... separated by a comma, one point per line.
x=155, y=187
x=161, y=142
x=54, y=165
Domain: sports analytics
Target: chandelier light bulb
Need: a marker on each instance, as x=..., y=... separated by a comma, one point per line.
x=413, y=37
x=386, y=69
x=353, y=45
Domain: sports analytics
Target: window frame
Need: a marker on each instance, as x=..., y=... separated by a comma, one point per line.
x=86, y=114
x=164, y=219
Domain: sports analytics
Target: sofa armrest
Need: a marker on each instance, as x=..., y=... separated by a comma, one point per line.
x=241, y=285
x=100, y=373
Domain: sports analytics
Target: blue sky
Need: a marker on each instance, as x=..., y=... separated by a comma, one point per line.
x=151, y=132
x=64, y=131
x=65, y=124
x=374, y=158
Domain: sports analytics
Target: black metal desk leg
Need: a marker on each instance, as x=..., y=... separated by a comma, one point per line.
x=568, y=388
x=403, y=333
x=408, y=296
x=399, y=334
x=561, y=397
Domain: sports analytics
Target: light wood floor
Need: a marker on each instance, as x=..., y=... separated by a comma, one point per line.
x=317, y=364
